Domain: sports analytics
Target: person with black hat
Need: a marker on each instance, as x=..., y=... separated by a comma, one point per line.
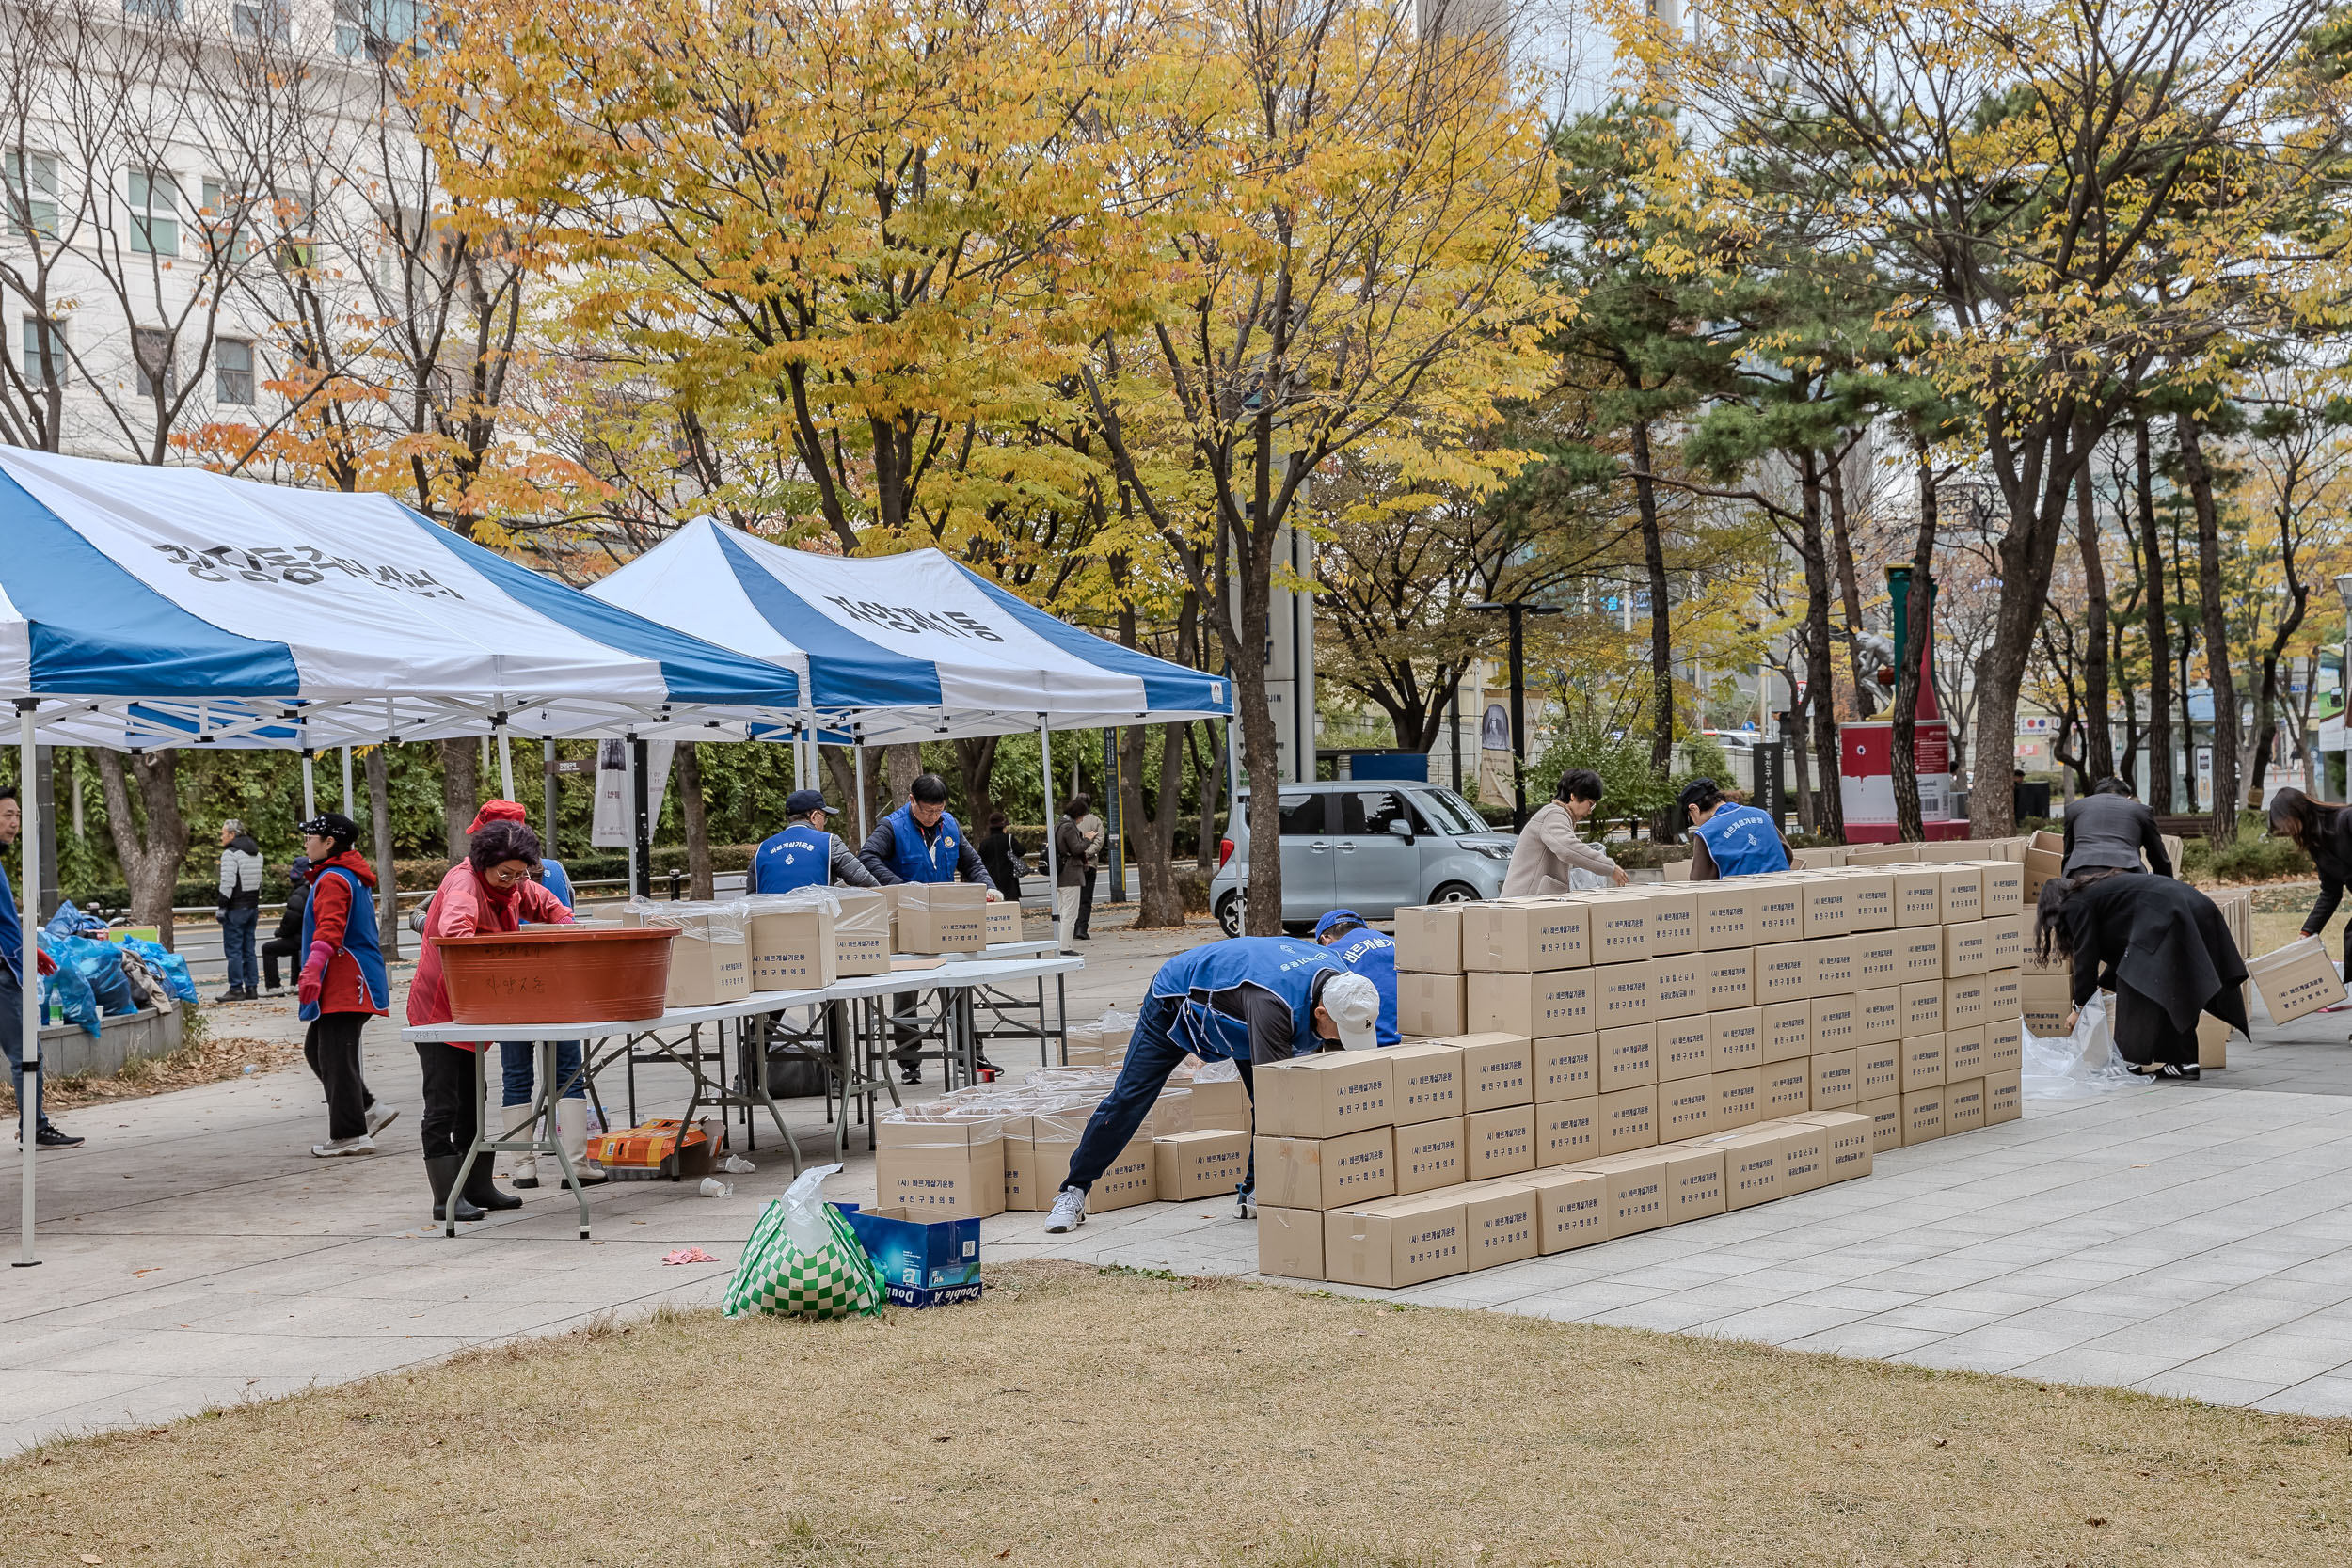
x=342, y=983
x=804, y=854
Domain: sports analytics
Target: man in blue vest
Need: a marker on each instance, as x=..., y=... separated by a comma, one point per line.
x=1369, y=954
x=804, y=854
x=1728, y=839
x=1252, y=1001
x=921, y=843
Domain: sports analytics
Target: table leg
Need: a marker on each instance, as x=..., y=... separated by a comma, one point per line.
x=1061, y=1015
x=473, y=1151
x=550, y=1090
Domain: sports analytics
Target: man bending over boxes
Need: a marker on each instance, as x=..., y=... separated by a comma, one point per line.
x=1249, y=1001
x=1369, y=954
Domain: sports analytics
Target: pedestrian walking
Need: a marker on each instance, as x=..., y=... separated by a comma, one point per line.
x=342, y=983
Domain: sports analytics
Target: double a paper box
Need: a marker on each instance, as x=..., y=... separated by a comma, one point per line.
x=1920, y=948
x=943, y=917
x=1621, y=995
x=1496, y=1071
x=1877, y=1070
x=1432, y=1004
x=1205, y=1163
x=1290, y=1243
x=1805, y=1152
x=1879, y=1015
x=1677, y=986
x=1728, y=977
x=2004, y=1098
x=1923, y=1116
x=1325, y=1173
x=1737, y=1098
x=1837, y=1023
x=1620, y=930
x=1525, y=937
x=1786, y=1087
x=1673, y=915
x=1636, y=1192
x=1429, y=1154
x=1566, y=1066
x=1568, y=1132
x=1878, y=959
x=1735, y=1039
x=1777, y=913
x=791, y=949
x=1964, y=1107
x=1835, y=1081
x=1965, y=1003
x=1726, y=913
x=2294, y=981
x=1555, y=1002
x=1429, y=938
x=1427, y=1080
x=1571, y=1208
x=1499, y=1142
x=1326, y=1095
x=1923, y=1062
x=1788, y=1031
x=1918, y=897
x=1686, y=1108
x=1628, y=1120
x=1629, y=1058
x=1850, y=1143
x=1682, y=1048
x=1964, y=1053
x=922, y=1263
x=860, y=932
x=1404, y=1241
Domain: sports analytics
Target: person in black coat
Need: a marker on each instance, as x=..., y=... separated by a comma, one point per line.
x=2161, y=945
x=2323, y=831
x=1001, y=859
x=289, y=935
x=2108, y=828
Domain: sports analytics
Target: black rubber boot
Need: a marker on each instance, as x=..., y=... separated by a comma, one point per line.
x=442, y=1171
x=484, y=1192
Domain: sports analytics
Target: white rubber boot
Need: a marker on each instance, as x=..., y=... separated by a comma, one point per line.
x=521, y=1170
x=571, y=1131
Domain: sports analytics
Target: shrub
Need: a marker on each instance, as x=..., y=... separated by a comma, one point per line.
x=2257, y=858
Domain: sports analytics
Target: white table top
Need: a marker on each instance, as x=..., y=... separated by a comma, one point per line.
x=957, y=974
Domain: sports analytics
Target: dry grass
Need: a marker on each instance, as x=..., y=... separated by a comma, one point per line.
x=203, y=1061
x=1081, y=1417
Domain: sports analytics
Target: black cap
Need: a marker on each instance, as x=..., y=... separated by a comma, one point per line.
x=334, y=825
x=802, y=801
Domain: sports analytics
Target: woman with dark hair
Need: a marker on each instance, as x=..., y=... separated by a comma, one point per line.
x=1549, y=846
x=1728, y=839
x=2323, y=831
x=490, y=890
x=1001, y=859
x=341, y=983
x=1071, y=871
x=2163, y=947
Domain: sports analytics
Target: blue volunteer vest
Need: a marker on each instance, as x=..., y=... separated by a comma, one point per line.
x=1279, y=964
x=796, y=858
x=917, y=862
x=359, y=939
x=1373, y=957
x=1742, y=841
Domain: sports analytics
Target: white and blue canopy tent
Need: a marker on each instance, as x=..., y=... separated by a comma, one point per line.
x=148, y=607
x=902, y=648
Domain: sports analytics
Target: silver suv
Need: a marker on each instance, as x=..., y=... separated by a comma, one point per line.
x=1368, y=845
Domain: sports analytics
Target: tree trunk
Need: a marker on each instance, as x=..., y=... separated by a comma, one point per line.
x=842, y=774
x=975, y=764
x=2218, y=676
x=386, y=877
x=904, y=765
x=2159, y=626
x=1821, y=687
x=1849, y=586
x=1150, y=837
x=461, y=792
x=1212, y=789
x=2188, y=721
x=2098, y=736
x=151, y=839
x=1799, y=760
x=694, y=814
x=1662, y=659
x=1909, y=826
x=1260, y=754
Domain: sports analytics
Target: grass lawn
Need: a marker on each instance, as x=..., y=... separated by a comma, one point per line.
x=1076, y=1417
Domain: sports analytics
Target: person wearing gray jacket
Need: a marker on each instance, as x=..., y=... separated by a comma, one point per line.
x=2107, y=828
x=239, y=911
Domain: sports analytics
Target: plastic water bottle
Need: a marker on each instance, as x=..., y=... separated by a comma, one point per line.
x=713, y=1187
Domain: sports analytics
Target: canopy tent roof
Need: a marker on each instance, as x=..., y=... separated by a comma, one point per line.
x=152, y=607
x=903, y=648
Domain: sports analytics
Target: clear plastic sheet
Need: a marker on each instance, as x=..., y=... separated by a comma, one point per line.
x=800, y=900
x=720, y=922
x=2077, y=1066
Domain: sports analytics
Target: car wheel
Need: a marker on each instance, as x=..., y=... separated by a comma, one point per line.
x=1230, y=912
x=1454, y=892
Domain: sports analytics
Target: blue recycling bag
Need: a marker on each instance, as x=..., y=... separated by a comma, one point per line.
x=68, y=991
x=164, y=962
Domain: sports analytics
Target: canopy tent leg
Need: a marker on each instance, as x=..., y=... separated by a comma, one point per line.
x=641, y=830
x=1045, y=769
x=506, y=762
x=547, y=764
x=857, y=754
x=310, y=793
x=28, y=968
x=348, y=795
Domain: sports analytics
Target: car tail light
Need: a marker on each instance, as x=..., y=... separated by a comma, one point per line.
x=1224, y=852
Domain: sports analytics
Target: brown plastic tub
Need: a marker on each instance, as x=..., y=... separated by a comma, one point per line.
x=557, y=975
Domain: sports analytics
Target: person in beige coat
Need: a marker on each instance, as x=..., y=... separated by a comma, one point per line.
x=1549, y=846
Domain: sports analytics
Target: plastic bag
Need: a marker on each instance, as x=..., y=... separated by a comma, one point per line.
x=71, y=922
x=165, y=963
x=99, y=964
x=794, y=902
x=802, y=1261
x=720, y=922
x=68, y=991
x=1581, y=881
x=2077, y=1066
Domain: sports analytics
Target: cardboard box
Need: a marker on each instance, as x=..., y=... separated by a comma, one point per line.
x=1833, y=966
x=1964, y=1053
x=1038, y=1167
x=2041, y=865
x=1636, y=1197
x=1429, y=940
x=1326, y=1095
x=1918, y=897
x=923, y=1263
x=2294, y=980
x=1499, y=1142
x=1960, y=891
x=1728, y=977
x=1571, y=1208
x=1805, y=1152
x=1783, y=973
x=1497, y=1071
x=1752, y=1161
x=1826, y=907
x=1923, y=1116
x=1923, y=1007
x=1686, y=1108
x=1735, y=1039
x=1628, y=1056
x=1784, y=1088
x=1428, y=1080
x=1220, y=1102
x=1553, y=1002
x=2006, y=938
x=1967, y=949
x=860, y=932
x=1920, y=951
x=650, y=1145
x=1964, y=1107
x=1886, y=1122
x=2047, y=998
x=1873, y=896
x=1628, y=1120
x=1004, y=923
x=1777, y=913
x=1290, y=1243
x=791, y=949
x=1673, y=926
x=1836, y=1082
x=1964, y=1002
x=1405, y=1240
x=2213, y=1041
x=1525, y=935
x=1851, y=1141
x=2003, y=890
x=1923, y=1062
x=1877, y=1070
x=1499, y=1222
x=1878, y=959
x=1568, y=1132
x=1788, y=1031
x=710, y=962
x=1837, y=1023
x=1091, y=1045
x=1432, y=1004
x=1429, y=1155
x=942, y=1170
x=1566, y=1066
x=1725, y=911
x=1820, y=858
x=2004, y=1098
x=1327, y=1173
x=1879, y=1015
x=1677, y=986
x=1694, y=1182
x=1739, y=1097
x=2004, y=994
x=1684, y=1050
x=2003, y=1051
x=1621, y=995
x=1620, y=930
x=1206, y=1164
x=942, y=917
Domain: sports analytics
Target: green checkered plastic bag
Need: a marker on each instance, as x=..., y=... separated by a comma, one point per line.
x=804, y=1260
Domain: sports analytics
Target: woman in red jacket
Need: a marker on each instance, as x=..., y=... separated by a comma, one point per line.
x=341, y=984
x=490, y=890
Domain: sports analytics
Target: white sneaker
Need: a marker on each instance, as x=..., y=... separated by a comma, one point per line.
x=340, y=1146
x=1069, y=1211
x=379, y=1117
x=1244, y=1206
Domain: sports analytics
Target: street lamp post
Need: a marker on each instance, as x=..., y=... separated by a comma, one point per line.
x=1517, y=610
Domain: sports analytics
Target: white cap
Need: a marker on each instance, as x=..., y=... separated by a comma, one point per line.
x=1353, y=1004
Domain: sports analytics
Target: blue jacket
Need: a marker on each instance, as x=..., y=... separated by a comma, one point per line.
x=1248, y=999
x=557, y=880
x=1741, y=841
x=796, y=858
x=1373, y=957
x=12, y=934
x=359, y=941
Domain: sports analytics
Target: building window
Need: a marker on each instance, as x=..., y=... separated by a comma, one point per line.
x=150, y=353
x=263, y=21
x=154, y=11
x=44, y=352
x=234, y=383
x=154, y=213
x=375, y=28
x=31, y=183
